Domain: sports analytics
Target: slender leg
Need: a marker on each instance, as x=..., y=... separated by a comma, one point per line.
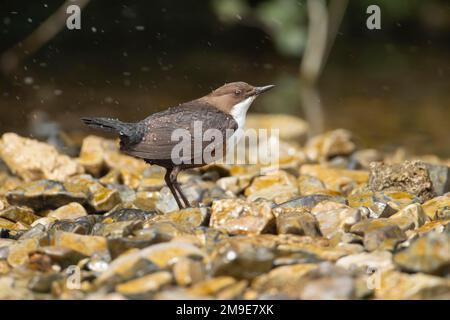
x=173, y=177
x=169, y=182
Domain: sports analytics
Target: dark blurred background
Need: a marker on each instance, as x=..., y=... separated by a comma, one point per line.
x=131, y=58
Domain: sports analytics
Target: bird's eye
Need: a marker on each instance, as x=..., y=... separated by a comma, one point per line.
x=237, y=92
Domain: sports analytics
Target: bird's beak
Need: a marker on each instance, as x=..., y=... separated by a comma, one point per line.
x=259, y=90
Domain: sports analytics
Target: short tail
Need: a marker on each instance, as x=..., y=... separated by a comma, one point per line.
x=107, y=124
x=130, y=133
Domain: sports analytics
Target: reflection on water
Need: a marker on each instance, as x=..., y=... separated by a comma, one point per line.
x=399, y=99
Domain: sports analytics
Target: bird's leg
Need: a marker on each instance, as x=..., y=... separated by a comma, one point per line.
x=169, y=182
x=173, y=176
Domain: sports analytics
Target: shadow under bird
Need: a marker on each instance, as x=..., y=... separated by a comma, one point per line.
x=224, y=109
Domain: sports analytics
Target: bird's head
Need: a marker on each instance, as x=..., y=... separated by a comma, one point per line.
x=235, y=97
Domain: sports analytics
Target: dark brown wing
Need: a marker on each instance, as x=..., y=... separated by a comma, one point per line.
x=193, y=118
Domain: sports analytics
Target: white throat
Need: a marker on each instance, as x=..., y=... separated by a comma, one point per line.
x=239, y=111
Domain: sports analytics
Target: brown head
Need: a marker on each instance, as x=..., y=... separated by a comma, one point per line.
x=235, y=97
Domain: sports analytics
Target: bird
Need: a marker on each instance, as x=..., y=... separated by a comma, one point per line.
x=224, y=110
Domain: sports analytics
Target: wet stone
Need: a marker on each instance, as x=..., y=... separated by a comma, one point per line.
x=211, y=287
x=367, y=261
x=410, y=217
x=428, y=254
x=410, y=176
x=100, y=198
x=70, y=211
x=440, y=178
x=330, y=144
x=116, y=229
x=394, y=285
x=190, y=217
x=43, y=194
x=339, y=180
x=19, y=214
x=61, y=256
x=242, y=258
x=127, y=214
x=361, y=159
x=310, y=201
x=18, y=252
x=37, y=160
x=188, y=271
x=87, y=245
x=296, y=221
x=335, y=217
x=436, y=208
x=310, y=185
x=379, y=233
x=236, y=216
x=146, y=285
x=278, y=186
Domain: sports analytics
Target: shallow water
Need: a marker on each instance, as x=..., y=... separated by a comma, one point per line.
x=400, y=98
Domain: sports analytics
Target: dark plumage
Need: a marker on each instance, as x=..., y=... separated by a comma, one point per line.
x=151, y=138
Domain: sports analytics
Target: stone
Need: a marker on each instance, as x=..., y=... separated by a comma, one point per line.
x=84, y=244
x=187, y=271
x=410, y=217
x=283, y=282
x=367, y=261
x=195, y=190
x=410, y=176
x=330, y=144
x=361, y=159
x=339, y=180
x=116, y=229
x=310, y=185
x=189, y=217
x=33, y=160
x=100, y=198
x=380, y=233
x=236, y=216
x=335, y=217
x=278, y=186
x=130, y=265
x=43, y=194
x=394, y=285
x=61, y=256
x=127, y=214
x=42, y=283
x=168, y=253
x=290, y=128
x=376, y=206
x=437, y=225
x=70, y=211
x=18, y=252
x=92, y=154
x=211, y=287
x=310, y=201
x=440, y=178
x=19, y=214
x=145, y=285
x=436, y=207
x=427, y=254
x=98, y=154
x=148, y=201
x=243, y=257
x=296, y=221
x=328, y=282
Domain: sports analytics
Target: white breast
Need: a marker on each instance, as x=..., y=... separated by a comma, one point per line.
x=239, y=111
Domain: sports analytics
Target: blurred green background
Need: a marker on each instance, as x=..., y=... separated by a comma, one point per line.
x=389, y=86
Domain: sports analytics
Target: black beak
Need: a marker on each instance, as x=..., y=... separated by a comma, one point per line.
x=259, y=90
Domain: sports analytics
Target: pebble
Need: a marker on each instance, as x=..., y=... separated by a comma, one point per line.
x=236, y=216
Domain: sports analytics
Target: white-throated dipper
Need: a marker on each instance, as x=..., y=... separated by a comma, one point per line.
x=224, y=109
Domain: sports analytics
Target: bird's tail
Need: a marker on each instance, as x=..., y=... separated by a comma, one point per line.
x=107, y=124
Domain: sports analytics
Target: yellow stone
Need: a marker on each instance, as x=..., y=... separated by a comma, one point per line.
x=87, y=245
